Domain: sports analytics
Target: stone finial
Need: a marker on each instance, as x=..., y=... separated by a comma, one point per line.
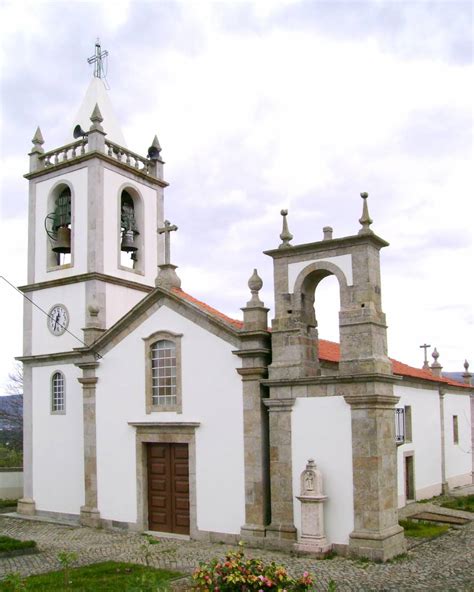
x=255, y=284
x=285, y=235
x=38, y=141
x=96, y=119
x=93, y=310
x=156, y=144
x=365, y=219
x=327, y=233
x=467, y=376
x=426, y=365
x=436, y=366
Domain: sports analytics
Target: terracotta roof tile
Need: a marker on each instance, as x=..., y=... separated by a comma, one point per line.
x=206, y=308
x=328, y=350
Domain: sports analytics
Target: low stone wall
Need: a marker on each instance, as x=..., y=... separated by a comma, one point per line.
x=11, y=483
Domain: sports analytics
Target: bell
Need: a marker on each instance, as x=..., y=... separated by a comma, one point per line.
x=128, y=242
x=63, y=240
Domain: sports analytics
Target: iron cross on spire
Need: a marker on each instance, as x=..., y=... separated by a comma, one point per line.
x=425, y=346
x=166, y=230
x=98, y=60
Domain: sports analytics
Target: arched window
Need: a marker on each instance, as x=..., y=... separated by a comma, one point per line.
x=58, y=403
x=163, y=369
x=130, y=235
x=58, y=225
x=163, y=372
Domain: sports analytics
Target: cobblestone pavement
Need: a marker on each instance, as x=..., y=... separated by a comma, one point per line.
x=443, y=564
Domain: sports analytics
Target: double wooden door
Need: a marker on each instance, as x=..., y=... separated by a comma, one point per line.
x=168, y=488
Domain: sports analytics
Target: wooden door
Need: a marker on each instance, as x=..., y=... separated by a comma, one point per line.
x=168, y=488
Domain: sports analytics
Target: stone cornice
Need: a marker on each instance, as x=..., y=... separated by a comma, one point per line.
x=258, y=351
x=253, y=373
x=85, y=277
x=164, y=424
x=344, y=379
x=101, y=156
x=88, y=382
x=279, y=404
x=371, y=401
x=44, y=359
x=327, y=245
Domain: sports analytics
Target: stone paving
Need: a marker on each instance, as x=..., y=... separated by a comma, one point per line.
x=443, y=564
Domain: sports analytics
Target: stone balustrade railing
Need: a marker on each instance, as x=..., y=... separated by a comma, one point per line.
x=127, y=157
x=64, y=153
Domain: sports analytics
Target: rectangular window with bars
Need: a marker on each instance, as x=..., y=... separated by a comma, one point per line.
x=163, y=370
x=57, y=393
x=399, y=425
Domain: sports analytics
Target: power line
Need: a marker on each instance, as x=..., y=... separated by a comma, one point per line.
x=96, y=354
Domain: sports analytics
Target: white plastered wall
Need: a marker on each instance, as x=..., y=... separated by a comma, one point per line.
x=211, y=394
x=72, y=296
x=120, y=300
x=458, y=456
x=425, y=445
x=113, y=185
x=58, y=451
x=321, y=429
x=78, y=182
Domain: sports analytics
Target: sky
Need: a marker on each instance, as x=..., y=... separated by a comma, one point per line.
x=260, y=106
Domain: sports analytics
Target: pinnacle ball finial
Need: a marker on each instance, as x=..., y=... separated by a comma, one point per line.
x=285, y=235
x=435, y=355
x=255, y=282
x=365, y=220
x=466, y=365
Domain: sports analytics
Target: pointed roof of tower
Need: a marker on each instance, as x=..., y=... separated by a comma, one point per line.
x=97, y=94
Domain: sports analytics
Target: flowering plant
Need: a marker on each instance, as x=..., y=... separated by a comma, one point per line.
x=236, y=573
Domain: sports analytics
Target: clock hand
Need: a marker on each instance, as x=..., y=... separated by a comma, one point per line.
x=56, y=321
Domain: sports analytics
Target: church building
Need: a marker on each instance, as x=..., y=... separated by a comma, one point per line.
x=171, y=417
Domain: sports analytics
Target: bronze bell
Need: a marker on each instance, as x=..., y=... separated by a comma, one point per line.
x=128, y=242
x=63, y=240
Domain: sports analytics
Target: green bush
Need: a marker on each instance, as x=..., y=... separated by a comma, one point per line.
x=10, y=457
x=246, y=575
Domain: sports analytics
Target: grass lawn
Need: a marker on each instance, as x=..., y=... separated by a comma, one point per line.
x=8, y=503
x=466, y=503
x=423, y=529
x=101, y=577
x=9, y=544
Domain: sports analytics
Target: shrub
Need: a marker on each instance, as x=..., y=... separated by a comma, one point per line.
x=235, y=573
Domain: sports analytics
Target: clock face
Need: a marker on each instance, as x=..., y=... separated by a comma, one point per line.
x=58, y=319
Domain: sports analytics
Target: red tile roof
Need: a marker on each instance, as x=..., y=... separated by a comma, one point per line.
x=329, y=351
x=206, y=308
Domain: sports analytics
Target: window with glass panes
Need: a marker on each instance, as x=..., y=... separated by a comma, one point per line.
x=57, y=392
x=163, y=369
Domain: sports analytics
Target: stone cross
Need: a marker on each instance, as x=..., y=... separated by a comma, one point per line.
x=425, y=346
x=166, y=229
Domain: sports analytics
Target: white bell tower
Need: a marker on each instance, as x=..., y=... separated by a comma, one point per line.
x=93, y=253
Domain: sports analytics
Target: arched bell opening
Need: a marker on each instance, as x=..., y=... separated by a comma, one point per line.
x=131, y=254
x=320, y=292
x=59, y=226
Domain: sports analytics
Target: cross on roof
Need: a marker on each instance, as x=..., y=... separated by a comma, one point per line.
x=166, y=230
x=98, y=60
x=425, y=346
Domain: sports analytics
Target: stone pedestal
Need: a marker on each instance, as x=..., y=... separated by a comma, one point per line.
x=312, y=539
x=90, y=517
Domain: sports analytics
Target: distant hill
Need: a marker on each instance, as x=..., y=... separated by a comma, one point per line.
x=10, y=405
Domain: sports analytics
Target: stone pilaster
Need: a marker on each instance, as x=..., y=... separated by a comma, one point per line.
x=377, y=534
x=26, y=505
x=281, y=532
x=90, y=515
x=255, y=355
x=444, y=482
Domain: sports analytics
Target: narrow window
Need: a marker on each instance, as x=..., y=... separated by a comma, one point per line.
x=399, y=425
x=58, y=225
x=408, y=432
x=128, y=232
x=57, y=393
x=455, y=430
x=163, y=368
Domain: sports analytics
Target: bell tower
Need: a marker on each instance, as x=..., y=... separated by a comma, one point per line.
x=94, y=210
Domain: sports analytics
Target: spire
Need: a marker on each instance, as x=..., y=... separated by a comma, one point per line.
x=156, y=143
x=285, y=235
x=436, y=366
x=467, y=375
x=96, y=119
x=365, y=220
x=38, y=141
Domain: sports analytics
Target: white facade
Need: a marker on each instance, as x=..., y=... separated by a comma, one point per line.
x=322, y=431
